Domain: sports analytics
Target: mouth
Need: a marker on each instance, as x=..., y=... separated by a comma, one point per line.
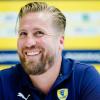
x=32, y=54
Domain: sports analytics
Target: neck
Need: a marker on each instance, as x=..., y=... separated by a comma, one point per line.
x=45, y=81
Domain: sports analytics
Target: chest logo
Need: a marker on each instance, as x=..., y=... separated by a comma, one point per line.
x=62, y=94
x=22, y=96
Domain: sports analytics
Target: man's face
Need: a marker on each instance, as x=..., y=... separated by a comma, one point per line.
x=38, y=43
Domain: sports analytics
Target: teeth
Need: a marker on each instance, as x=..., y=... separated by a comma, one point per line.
x=32, y=53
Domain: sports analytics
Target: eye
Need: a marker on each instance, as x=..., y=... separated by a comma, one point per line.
x=39, y=34
x=22, y=34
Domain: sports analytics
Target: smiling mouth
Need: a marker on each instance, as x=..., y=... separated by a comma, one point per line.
x=32, y=53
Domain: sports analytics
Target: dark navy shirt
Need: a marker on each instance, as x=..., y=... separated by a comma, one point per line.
x=76, y=81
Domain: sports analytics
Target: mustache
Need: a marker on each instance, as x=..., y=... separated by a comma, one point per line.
x=32, y=47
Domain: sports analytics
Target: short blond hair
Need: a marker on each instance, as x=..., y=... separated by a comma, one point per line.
x=58, y=17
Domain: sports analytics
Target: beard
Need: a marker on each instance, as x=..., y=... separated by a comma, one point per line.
x=33, y=67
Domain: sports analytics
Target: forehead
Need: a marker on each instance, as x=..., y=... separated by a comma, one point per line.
x=38, y=20
x=38, y=17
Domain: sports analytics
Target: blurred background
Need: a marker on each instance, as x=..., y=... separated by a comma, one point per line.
x=82, y=35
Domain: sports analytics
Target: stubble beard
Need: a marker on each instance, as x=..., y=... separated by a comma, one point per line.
x=39, y=67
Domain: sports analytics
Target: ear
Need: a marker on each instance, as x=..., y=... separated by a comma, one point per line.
x=61, y=40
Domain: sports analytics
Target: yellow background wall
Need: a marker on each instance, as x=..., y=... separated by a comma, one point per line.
x=71, y=43
x=64, y=5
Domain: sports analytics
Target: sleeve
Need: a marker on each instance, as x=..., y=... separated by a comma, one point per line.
x=90, y=85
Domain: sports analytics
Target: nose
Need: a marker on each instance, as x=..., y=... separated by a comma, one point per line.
x=30, y=41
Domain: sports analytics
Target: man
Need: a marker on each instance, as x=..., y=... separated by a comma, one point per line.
x=44, y=74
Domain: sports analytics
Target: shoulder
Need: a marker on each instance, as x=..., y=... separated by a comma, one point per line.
x=75, y=66
x=86, y=80
x=80, y=68
x=9, y=75
x=85, y=73
x=81, y=73
x=8, y=72
x=85, y=70
x=7, y=78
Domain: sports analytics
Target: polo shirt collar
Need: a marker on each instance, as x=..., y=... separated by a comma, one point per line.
x=65, y=71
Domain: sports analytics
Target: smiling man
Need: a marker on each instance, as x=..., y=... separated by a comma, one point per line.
x=38, y=45
x=43, y=73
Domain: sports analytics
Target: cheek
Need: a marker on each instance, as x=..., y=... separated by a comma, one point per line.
x=47, y=44
x=19, y=45
x=43, y=42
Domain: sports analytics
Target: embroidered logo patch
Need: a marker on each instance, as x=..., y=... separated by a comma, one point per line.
x=62, y=94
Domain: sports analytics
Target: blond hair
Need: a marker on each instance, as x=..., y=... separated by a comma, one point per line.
x=58, y=17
